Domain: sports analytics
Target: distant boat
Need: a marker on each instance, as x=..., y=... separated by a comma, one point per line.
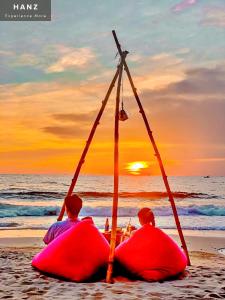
x=207, y=176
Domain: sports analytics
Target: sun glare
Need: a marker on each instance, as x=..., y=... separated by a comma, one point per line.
x=136, y=167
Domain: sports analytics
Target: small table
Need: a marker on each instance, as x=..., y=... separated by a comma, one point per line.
x=120, y=236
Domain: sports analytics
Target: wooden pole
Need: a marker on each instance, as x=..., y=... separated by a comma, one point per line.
x=157, y=154
x=116, y=177
x=82, y=159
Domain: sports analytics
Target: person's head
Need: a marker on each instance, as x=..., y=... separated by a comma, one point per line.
x=73, y=205
x=146, y=216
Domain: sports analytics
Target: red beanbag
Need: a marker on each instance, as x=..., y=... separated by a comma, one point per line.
x=76, y=254
x=150, y=254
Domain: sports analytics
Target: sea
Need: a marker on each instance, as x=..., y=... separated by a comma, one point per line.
x=34, y=201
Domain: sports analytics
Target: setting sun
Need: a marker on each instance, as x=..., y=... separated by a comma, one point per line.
x=136, y=167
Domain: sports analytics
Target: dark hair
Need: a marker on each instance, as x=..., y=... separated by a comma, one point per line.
x=73, y=204
x=146, y=216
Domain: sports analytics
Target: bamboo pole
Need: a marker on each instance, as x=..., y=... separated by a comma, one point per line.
x=116, y=177
x=82, y=159
x=157, y=154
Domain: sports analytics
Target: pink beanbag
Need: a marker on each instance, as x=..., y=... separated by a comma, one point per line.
x=151, y=255
x=76, y=254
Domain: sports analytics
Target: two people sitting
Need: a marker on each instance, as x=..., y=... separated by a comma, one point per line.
x=73, y=205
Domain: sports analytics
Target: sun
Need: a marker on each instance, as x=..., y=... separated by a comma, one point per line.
x=136, y=167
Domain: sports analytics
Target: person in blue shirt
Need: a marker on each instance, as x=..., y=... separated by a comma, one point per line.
x=73, y=205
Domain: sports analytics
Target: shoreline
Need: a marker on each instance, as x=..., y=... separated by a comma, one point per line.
x=210, y=241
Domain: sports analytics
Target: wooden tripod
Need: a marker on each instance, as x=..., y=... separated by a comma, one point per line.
x=118, y=75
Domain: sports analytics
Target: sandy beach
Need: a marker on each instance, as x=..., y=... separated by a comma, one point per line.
x=205, y=279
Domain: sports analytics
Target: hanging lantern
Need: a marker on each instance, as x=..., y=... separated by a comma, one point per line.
x=123, y=115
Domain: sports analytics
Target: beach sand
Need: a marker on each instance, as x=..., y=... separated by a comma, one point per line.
x=205, y=279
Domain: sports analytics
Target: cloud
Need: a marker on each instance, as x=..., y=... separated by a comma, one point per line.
x=27, y=59
x=79, y=124
x=198, y=84
x=192, y=110
x=54, y=58
x=183, y=5
x=6, y=53
x=87, y=94
x=78, y=117
x=211, y=159
x=16, y=92
x=71, y=58
x=160, y=70
x=214, y=16
x=28, y=107
x=65, y=131
x=135, y=57
x=201, y=81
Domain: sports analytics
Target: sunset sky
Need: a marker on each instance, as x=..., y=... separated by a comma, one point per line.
x=54, y=75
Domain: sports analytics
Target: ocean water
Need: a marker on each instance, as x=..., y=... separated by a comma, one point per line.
x=33, y=201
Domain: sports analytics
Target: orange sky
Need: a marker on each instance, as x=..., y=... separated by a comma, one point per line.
x=44, y=128
x=55, y=74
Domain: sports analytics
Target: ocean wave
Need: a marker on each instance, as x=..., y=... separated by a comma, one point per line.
x=206, y=210
x=9, y=210
x=151, y=195
x=32, y=195
x=203, y=228
x=89, y=194
x=9, y=225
